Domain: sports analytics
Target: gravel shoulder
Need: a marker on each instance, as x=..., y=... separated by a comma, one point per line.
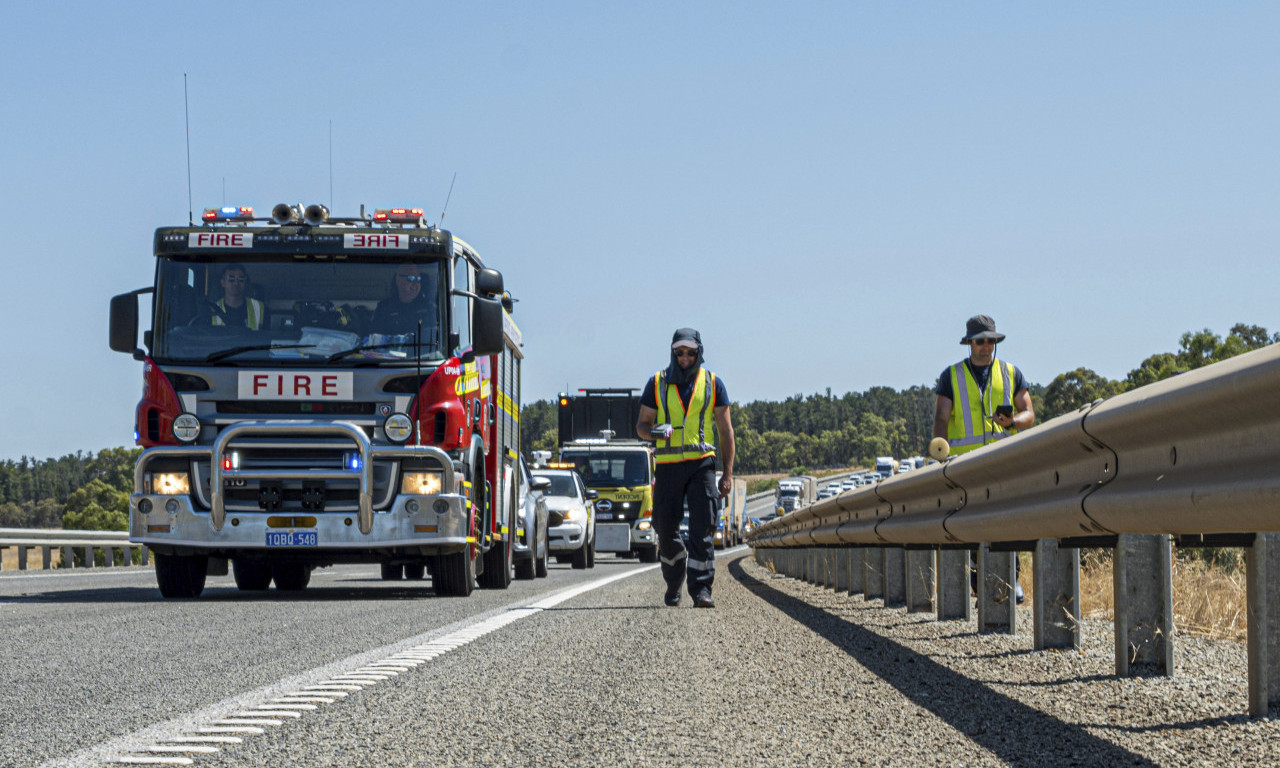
x=781, y=673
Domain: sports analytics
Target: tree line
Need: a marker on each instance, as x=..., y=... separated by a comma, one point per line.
x=820, y=430
x=823, y=430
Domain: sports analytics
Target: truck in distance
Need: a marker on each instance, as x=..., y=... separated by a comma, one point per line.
x=321, y=390
x=598, y=439
x=795, y=493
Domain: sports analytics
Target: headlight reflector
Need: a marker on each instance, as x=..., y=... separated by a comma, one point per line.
x=643, y=525
x=186, y=428
x=420, y=483
x=171, y=483
x=398, y=427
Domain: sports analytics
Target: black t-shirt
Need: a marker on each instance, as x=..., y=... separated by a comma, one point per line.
x=649, y=398
x=394, y=317
x=233, y=315
x=980, y=374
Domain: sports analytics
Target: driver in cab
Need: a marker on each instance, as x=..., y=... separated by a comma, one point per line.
x=414, y=300
x=234, y=308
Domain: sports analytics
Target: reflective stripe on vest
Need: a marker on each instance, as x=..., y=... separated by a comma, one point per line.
x=684, y=444
x=971, y=425
x=252, y=317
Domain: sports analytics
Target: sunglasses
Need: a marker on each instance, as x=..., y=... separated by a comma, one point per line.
x=982, y=342
x=411, y=278
x=686, y=353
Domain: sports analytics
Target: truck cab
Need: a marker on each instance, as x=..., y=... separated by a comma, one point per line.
x=318, y=391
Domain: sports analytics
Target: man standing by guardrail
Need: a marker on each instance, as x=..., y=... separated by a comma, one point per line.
x=981, y=399
x=682, y=409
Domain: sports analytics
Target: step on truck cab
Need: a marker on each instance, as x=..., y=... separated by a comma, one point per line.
x=320, y=390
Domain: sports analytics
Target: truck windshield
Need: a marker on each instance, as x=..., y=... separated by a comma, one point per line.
x=610, y=469
x=299, y=309
x=788, y=491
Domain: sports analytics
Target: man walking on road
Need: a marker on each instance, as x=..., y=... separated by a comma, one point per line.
x=682, y=409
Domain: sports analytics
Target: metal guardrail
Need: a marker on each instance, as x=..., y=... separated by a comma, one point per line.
x=25, y=539
x=1196, y=456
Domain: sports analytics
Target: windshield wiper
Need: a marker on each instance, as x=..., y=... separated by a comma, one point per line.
x=363, y=347
x=225, y=353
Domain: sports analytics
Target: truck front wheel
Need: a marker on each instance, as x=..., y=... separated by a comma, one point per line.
x=649, y=555
x=181, y=576
x=454, y=575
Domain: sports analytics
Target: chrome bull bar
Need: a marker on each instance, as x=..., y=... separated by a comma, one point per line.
x=293, y=430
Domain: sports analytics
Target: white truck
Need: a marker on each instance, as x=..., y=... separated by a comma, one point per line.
x=795, y=493
x=886, y=467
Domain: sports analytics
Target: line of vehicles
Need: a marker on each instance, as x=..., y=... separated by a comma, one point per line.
x=800, y=491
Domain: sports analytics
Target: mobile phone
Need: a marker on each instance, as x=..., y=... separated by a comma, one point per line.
x=1004, y=410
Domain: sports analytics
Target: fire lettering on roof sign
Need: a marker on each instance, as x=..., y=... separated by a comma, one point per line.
x=376, y=240
x=220, y=240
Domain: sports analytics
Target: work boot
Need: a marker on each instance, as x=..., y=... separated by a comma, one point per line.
x=703, y=600
x=672, y=598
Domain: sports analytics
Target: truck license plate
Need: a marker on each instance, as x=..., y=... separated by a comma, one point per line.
x=292, y=539
x=604, y=515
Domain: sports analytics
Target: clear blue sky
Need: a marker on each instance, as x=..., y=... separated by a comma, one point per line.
x=825, y=190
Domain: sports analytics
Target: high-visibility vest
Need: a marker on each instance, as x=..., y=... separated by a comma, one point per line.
x=253, y=313
x=692, y=435
x=971, y=425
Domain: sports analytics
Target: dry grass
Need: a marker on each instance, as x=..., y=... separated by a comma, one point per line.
x=1208, y=600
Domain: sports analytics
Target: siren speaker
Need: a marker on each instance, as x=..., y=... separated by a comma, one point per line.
x=939, y=448
x=316, y=214
x=284, y=213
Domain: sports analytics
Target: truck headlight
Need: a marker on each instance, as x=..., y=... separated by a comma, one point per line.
x=643, y=525
x=398, y=428
x=171, y=483
x=420, y=483
x=186, y=428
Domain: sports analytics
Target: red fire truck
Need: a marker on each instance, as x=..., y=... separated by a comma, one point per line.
x=321, y=390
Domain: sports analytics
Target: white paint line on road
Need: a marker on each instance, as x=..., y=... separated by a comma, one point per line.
x=319, y=685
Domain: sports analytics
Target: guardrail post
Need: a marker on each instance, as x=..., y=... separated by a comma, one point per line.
x=843, y=557
x=872, y=575
x=1144, y=603
x=110, y=553
x=919, y=580
x=88, y=557
x=997, y=608
x=68, y=558
x=895, y=576
x=857, y=569
x=1262, y=566
x=46, y=557
x=953, y=585
x=1055, y=598
x=146, y=556
x=830, y=560
x=22, y=557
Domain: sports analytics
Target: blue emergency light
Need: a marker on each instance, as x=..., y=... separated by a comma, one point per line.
x=229, y=213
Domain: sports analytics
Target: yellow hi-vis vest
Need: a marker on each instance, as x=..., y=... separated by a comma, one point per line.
x=253, y=313
x=692, y=435
x=971, y=425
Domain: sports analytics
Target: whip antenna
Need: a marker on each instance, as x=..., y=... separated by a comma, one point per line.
x=448, y=197
x=331, y=165
x=191, y=217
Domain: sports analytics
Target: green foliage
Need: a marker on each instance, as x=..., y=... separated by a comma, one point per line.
x=1071, y=390
x=97, y=507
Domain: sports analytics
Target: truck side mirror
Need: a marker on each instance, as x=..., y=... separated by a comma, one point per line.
x=486, y=326
x=591, y=494
x=123, y=329
x=489, y=282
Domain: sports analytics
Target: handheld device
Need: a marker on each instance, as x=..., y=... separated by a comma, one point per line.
x=1004, y=410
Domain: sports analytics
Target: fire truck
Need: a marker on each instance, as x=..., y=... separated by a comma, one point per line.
x=321, y=390
x=598, y=439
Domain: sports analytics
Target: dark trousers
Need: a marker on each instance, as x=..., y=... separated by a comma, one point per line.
x=692, y=483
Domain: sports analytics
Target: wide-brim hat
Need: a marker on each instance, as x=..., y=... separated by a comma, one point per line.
x=981, y=327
